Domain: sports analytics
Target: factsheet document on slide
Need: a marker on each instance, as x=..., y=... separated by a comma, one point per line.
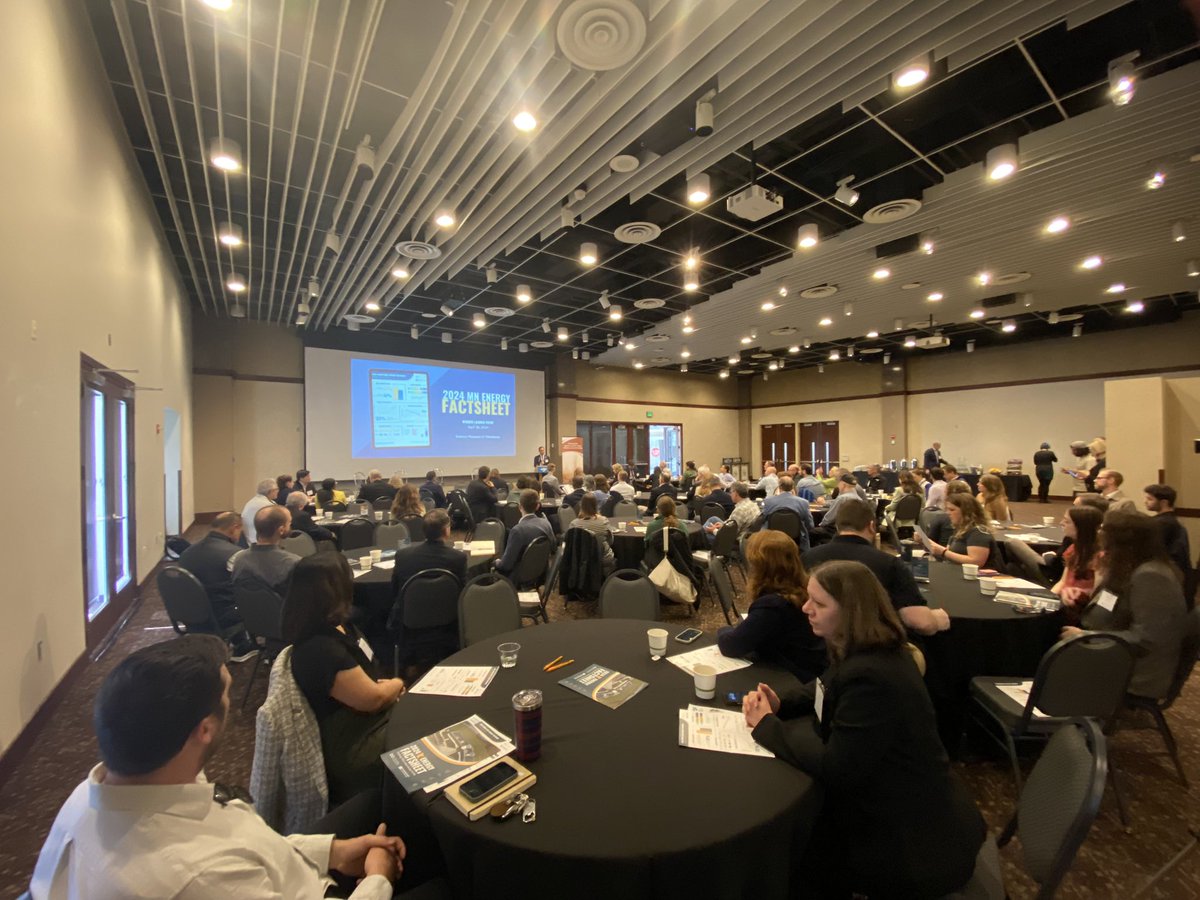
x=708, y=656
x=400, y=408
x=456, y=681
x=723, y=730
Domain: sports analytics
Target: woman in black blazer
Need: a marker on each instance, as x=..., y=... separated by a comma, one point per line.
x=895, y=822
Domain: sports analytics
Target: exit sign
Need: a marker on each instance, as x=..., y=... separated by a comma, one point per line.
x=649, y=414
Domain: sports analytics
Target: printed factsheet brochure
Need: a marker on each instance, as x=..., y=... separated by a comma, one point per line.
x=445, y=756
x=722, y=730
x=456, y=681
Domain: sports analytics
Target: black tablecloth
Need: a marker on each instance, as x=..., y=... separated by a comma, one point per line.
x=985, y=638
x=622, y=810
x=1018, y=487
x=629, y=548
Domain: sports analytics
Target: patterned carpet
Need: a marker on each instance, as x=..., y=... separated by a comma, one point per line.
x=1110, y=864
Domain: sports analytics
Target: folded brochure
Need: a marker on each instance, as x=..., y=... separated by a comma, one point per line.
x=447, y=755
x=604, y=685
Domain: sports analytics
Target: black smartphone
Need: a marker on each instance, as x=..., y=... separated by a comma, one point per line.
x=688, y=635
x=734, y=698
x=488, y=781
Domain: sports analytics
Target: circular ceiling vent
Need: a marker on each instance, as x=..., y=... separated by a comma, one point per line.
x=910, y=285
x=650, y=303
x=359, y=318
x=418, y=250
x=623, y=162
x=499, y=312
x=660, y=360
x=784, y=331
x=892, y=211
x=541, y=345
x=816, y=292
x=867, y=351
x=1055, y=318
x=760, y=355
x=1012, y=278
x=636, y=232
x=657, y=338
x=599, y=35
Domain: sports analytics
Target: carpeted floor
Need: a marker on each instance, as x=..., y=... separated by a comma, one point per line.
x=1110, y=864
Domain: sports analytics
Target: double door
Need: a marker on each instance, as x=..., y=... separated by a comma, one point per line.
x=778, y=444
x=820, y=445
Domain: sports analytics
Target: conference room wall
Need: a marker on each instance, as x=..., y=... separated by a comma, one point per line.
x=1182, y=416
x=87, y=270
x=860, y=427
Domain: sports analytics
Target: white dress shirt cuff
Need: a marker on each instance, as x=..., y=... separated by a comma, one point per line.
x=315, y=848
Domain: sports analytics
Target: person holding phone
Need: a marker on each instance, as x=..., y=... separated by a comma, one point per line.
x=895, y=821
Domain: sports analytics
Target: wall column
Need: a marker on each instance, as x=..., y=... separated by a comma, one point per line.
x=1135, y=429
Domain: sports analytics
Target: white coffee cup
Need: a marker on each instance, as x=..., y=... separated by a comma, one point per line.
x=460, y=545
x=364, y=563
x=970, y=572
x=376, y=556
x=1047, y=520
x=706, y=681
x=658, y=641
x=988, y=585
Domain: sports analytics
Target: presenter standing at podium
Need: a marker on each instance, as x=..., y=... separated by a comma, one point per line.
x=541, y=461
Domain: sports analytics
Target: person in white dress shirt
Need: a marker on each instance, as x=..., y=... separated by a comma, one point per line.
x=623, y=487
x=147, y=823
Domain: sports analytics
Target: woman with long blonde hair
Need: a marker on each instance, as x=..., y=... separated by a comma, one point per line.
x=994, y=499
x=971, y=542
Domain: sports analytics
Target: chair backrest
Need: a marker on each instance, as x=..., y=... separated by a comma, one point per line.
x=1189, y=648
x=1084, y=676
x=908, y=508
x=456, y=500
x=185, y=600
x=1060, y=801
x=556, y=562
x=785, y=520
x=626, y=509
x=392, y=535
x=428, y=599
x=428, y=502
x=712, y=509
x=487, y=606
x=628, y=594
x=726, y=539
x=806, y=494
x=566, y=515
x=357, y=533
x=720, y=578
x=358, y=507
x=530, y=570
x=299, y=543
x=510, y=514
x=261, y=610
x=682, y=513
x=492, y=530
x=382, y=503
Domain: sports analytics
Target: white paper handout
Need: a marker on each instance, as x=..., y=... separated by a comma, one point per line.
x=482, y=548
x=708, y=656
x=385, y=564
x=1020, y=692
x=1018, y=584
x=723, y=730
x=456, y=681
x=1024, y=537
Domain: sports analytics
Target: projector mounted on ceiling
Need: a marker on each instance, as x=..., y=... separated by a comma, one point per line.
x=754, y=203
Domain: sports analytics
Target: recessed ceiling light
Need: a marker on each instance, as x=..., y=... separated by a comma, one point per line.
x=522, y=347
x=983, y=278
x=524, y=294
x=977, y=313
x=1156, y=180
x=563, y=334
x=372, y=306
x=221, y=5
x=478, y=320
x=1008, y=326
x=699, y=188
x=734, y=360
x=685, y=353
x=768, y=305
x=230, y=235
x=935, y=297
x=1002, y=161
x=910, y=342
x=826, y=321
x=225, y=154
x=872, y=334
x=639, y=364
x=614, y=312
x=524, y=121
x=745, y=340
x=447, y=337
x=444, y=219
x=808, y=236
x=588, y=254
x=793, y=349
x=783, y=291
x=1192, y=269
x=1115, y=288
x=1177, y=232
x=911, y=74
x=236, y=283
x=688, y=329
x=691, y=261
x=690, y=283
x=1134, y=306
x=1091, y=262
x=927, y=245
x=847, y=308
x=834, y=355
x=400, y=272
x=1057, y=225
x=881, y=273
x=724, y=373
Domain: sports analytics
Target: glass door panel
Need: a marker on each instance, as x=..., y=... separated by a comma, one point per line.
x=95, y=503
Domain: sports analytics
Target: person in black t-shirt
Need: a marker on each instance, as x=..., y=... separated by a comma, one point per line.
x=335, y=669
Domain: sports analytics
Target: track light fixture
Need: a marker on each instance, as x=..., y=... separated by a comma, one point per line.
x=604, y=304
x=522, y=347
x=1002, y=161
x=503, y=343
x=808, y=236
x=447, y=310
x=447, y=337
x=563, y=334
x=414, y=332
x=588, y=254
x=704, y=118
x=845, y=194
x=1178, y=234
x=614, y=312
x=546, y=324
x=699, y=188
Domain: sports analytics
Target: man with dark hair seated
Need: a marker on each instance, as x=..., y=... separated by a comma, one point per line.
x=147, y=823
x=209, y=560
x=435, y=552
x=664, y=488
x=433, y=489
x=530, y=526
x=572, y=499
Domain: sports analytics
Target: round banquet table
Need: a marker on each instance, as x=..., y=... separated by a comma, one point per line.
x=985, y=638
x=629, y=547
x=622, y=809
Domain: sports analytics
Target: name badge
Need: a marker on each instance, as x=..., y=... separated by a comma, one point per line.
x=1106, y=600
x=366, y=649
x=819, y=700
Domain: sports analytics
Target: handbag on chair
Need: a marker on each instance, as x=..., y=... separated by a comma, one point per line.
x=669, y=581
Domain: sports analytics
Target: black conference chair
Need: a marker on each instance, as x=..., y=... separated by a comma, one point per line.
x=487, y=606
x=718, y=573
x=299, y=543
x=261, y=610
x=491, y=530
x=391, y=536
x=530, y=573
x=382, y=504
x=566, y=515
x=423, y=623
x=787, y=521
x=625, y=510
x=628, y=594
x=357, y=533
x=460, y=511
x=713, y=509
x=187, y=603
x=724, y=546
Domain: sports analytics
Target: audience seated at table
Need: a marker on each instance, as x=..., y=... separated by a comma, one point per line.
x=994, y=499
x=664, y=517
x=922, y=476
x=875, y=482
x=283, y=487
x=433, y=490
x=704, y=485
x=209, y=560
x=268, y=490
x=1138, y=596
x=499, y=485
x=481, y=496
x=329, y=497
x=1081, y=525
x=971, y=543
x=935, y=497
x=406, y=504
x=664, y=488
x=827, y=479
x=436, y=551
x=305, y=483
x=808, y=481
x=375, y=488
x=847, y=491
x=521, y=535
x=936, y=522
x=336, y=671
x=1108, y=483
x=770, y=480
x=856, y=541
x=302, y=520
x=775, y=631
x=895, y=822
x=265, y=562
x=550, y=485
x=1160, y=500
x=601, y=491
x=908, y=485
x=622, y=487
x=590, y=520
x=785, y=498
x=576, y=493
x=146, y=823
x=725, y=476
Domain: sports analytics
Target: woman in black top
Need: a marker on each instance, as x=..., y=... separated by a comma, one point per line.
x=1043, y=467
x=895, y=822
x=775, y=631
x=971, y=542
x=335, y=669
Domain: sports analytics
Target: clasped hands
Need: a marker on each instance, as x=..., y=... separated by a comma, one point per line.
x=758, y=704
x=368, y=854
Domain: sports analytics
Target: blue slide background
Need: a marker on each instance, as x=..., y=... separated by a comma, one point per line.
x=449, y=432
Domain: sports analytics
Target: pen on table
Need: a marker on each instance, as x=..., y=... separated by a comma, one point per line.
x=560, y=665
x=546, y=667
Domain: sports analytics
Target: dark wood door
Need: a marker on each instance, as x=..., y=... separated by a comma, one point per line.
x=820, y=445
x=779, y=444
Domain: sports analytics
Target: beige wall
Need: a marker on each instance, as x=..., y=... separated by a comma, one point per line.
x=1135, y=430
x=86, y=270
x=1182, y=416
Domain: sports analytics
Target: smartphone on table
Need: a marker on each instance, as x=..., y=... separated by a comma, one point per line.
x=487, y=782
x=688, y=635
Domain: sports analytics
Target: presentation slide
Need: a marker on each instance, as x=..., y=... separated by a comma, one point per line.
x=404, y=415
